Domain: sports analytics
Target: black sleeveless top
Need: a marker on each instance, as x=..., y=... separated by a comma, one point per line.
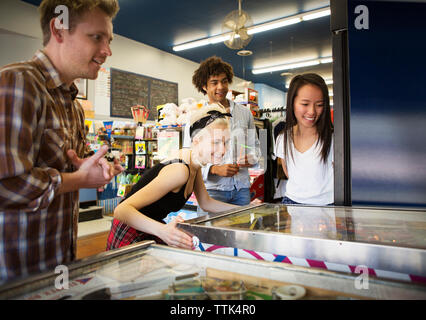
x=121, y=234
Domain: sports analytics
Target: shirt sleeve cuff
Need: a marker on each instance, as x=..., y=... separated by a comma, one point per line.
x=49, y=194
x=205, y=171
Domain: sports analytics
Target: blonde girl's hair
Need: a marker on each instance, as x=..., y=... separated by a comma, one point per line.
x=204, y=112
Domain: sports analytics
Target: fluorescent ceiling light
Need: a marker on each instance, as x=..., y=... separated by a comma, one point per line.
x=273, y=25
x=190, y=45
x=295, y=65
x=287, y=66
x=326, y=60
x=316, y=15
x=220, y=38
x=258, y=28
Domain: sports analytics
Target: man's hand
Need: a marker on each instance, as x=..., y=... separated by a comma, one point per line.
x=225, y=170
x=96, y=170
x=246, y=161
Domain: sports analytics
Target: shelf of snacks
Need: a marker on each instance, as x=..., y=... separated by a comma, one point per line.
x=116, y=136
x=125, y=145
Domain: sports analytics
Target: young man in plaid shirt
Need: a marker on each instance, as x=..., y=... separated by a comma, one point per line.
x=42, y=138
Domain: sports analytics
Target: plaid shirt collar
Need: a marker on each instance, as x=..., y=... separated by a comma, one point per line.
x=53, y=79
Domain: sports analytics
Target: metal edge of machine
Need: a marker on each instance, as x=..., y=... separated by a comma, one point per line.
x=41, y=280
x=384, y=257
x=326, y=279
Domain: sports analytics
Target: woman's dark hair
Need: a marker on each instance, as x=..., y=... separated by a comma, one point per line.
x=324, y=125
x=212, y=66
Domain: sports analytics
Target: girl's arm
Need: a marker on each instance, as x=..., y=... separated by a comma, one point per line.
x=206, y=202
x=170, y=177
x=284, y=166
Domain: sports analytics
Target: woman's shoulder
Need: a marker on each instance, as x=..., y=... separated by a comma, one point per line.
x=175, y=169
x=280, y=139
x=175, y=162
x=279, y=145
x=280, y=135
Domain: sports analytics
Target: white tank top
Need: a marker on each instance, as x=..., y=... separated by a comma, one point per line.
x=310, y=181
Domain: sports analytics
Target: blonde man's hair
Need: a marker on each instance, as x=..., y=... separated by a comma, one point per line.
x=76, y=9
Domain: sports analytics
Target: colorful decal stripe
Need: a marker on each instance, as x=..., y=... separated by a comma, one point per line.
x=254, y=254
x=308, y=262
x=213, y=248
x=420, y=279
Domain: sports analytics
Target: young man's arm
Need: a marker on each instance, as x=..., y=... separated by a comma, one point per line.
x=93, y=172
x=206, y=202
x=23, y=186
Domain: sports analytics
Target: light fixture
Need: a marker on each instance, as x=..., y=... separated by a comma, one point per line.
x=293, y=65
x=244, y=53
x=286, y=66
x=316, y=15
x=220, y=38
x=273, y=25
x=326, y=60
x=279, y=23
x=191, y=45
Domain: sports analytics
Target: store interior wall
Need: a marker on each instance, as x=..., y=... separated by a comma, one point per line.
x=21, y=36
x=270, y=97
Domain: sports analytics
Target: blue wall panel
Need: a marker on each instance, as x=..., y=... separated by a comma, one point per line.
x=388, y=103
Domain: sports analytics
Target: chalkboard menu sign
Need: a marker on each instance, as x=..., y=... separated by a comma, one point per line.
x=129, y=89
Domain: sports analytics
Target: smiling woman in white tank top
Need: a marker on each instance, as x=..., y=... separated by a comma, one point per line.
x=305, y=146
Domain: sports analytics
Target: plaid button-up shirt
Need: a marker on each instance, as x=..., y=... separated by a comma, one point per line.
x=39, y=121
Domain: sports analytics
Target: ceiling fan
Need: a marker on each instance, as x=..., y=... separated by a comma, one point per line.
x=237, y=22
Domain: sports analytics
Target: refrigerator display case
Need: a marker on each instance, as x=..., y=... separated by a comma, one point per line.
x=389, y=243
x=149, y=271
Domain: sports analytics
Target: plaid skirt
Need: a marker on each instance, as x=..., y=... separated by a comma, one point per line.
x=122, y=235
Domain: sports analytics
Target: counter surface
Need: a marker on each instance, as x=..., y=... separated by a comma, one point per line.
x=148, y=271
x=94, y=226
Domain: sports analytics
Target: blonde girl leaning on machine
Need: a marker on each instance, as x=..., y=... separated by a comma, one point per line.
x=167, y=186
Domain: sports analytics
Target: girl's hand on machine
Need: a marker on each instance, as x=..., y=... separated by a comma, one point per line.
x=174, y=237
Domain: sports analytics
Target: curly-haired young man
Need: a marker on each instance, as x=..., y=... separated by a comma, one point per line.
x=42, y=138
x=228, y=182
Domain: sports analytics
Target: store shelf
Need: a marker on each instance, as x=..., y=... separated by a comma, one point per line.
x=90, y=213
x=135, y=170
x=115, y=136
x=247, y=102
x=173, y=126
